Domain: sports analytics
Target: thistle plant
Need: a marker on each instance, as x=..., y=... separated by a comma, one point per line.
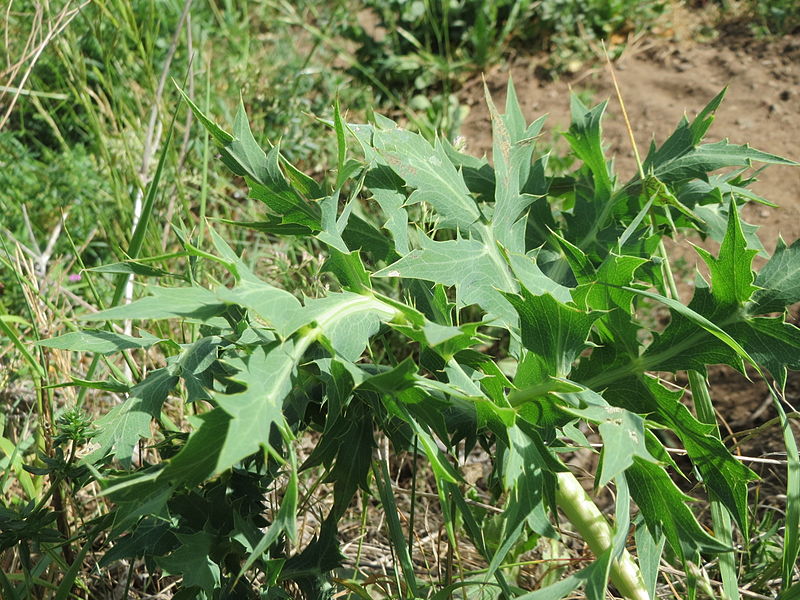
x=471, y=304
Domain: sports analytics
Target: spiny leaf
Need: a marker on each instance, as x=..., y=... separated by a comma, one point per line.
x=727, y=477
x=241, y=154
x=623, y=432
x=772, y=343
x=531, y=277
x=779, y=280
x=280, y=310
x=585, y=139
x=124, y=425
x=512, y=151
x=685, y=137
x=466, y=264
x=731, y=272
x=706, y=158
x=386, y=188
x=715, y=218
x=665, y=509
x=428, y=169
x=192, y=560
x=602, y=292
x=165, y=303
x=554, y=332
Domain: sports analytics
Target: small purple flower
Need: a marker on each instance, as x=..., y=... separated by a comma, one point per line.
x=75, y=277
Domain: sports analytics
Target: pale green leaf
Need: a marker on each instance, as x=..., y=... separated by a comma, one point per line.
x=100, y=341
x=165, y=303
x=428, y=169
x=466, y=264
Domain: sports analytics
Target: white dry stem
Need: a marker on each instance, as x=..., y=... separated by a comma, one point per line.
x=32, y=55
x=592, y=526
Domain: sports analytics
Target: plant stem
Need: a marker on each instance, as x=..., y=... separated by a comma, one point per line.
x=592, y=526
x=704, y=408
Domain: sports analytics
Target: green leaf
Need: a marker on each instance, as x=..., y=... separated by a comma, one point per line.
x=564, y=587
x=125, y=424
x=772, y=343
x=685, y=137
x=665, y=508
x=512, y=151
x=468, y=265
x=355, y=444
x=206, y=453
x=531, y=277
x=477, y=173
x=779, y=280
x=133, y=268
x=765, y=342
x=428, y=169
x=165, y=303
x=273, y=225
x=241, y=154
x=279, y=309
x=731, y=272
x=602, y=292
x=725, y=476
x=623, y=433
x=715, y=217
x=384, y=484
x=554, y=332
x=192, y=560
x=349, y=270
x=99, y=341
x=270, y=187
x=693, y=317
x=387, y=191
x=649, y=549
x=690, y=341
x=284, y=522
x=703, y=159
x=192, y=366
x=257, y=409
x=362, y=235
x=584, y=136
x=347, y=320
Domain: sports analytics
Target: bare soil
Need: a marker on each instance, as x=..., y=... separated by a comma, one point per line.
x=662, y=80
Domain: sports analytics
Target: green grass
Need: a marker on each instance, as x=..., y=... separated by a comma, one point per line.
x=253, y=424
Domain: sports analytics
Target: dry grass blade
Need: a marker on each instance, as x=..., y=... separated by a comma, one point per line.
x=30, y=54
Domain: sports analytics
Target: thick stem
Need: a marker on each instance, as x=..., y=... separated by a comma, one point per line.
x=589, y=522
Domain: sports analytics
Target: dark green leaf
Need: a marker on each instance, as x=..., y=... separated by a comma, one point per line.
x=779, y=280
x=665, y=508
x=554, y=332
x=192, y=560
